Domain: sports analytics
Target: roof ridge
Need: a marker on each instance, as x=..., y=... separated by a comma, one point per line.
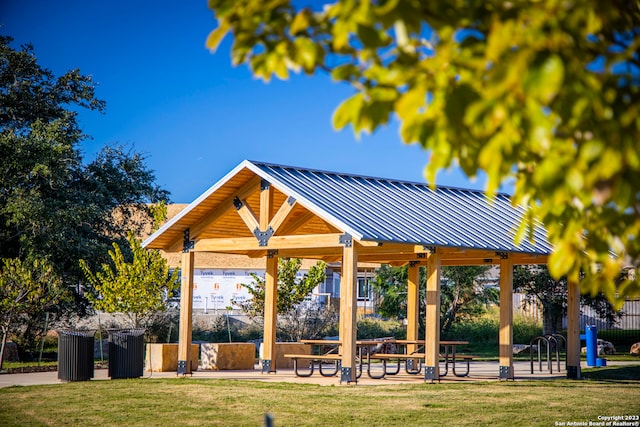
x=377, y=178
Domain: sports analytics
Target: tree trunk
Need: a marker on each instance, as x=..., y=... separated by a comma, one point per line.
x=551, y=322
x=4, y=342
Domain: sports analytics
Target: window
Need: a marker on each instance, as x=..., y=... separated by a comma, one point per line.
x=364, y=289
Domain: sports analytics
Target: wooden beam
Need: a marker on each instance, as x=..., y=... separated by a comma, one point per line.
x=348, y=299
x=266, y=204
x=432, y=333
x=471, y=261
x=506, y=319
x=413, y=304
x=270, y=314
x=526, y=259
x=186, y=310
x=391, y=248
x=242, y=193
x=247, y=215
x=310, y=253
x=310, y=241
x=388, y=259
x=282, y=214
x=573, y=328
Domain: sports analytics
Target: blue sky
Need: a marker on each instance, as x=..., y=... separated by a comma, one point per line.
x=190, y=112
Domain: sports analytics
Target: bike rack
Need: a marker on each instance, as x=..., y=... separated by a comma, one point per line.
x=555, y=340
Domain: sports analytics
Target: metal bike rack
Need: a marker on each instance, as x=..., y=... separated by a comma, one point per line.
x=555, y=340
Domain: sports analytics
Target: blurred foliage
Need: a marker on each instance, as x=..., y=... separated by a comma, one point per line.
x=542, y=94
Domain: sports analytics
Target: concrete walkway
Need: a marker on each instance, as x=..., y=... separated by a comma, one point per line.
x=480, y=371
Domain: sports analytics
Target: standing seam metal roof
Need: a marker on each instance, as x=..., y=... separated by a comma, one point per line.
x=406, y=212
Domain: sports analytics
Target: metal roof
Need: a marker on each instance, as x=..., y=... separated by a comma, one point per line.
x=387, y=210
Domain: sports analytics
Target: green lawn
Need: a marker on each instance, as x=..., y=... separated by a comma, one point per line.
x=612, y=391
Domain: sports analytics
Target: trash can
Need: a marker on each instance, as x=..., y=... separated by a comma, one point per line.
x=126, y=353
x=75, y=354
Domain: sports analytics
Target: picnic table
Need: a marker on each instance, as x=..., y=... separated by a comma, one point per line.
x=450, y=354
x=368, y=350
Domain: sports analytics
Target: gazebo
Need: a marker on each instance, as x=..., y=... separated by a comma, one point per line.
x=269, y=211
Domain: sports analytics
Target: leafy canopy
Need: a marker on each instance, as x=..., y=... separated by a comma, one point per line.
x=137, y=287
x=543, y=94
x=27, y=289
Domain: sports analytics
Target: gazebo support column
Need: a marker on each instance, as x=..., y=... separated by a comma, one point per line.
x=270, y=313
x=348, y=300
x=506, y=318
x=186, y=314
x=573, y=328
x=413, y=281
x=432, y=324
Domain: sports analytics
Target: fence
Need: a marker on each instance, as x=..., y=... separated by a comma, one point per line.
x=627, y=328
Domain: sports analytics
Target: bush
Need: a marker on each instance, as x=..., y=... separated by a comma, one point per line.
x=525, y=329
x=369, y=328
x=486, y=329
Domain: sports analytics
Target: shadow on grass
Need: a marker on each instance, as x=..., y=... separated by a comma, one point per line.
x=619, y=374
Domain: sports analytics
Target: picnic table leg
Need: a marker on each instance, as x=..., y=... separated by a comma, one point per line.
x=396, y=371
x=454, y=369
x=329, y=374
x=298, y=373
x=446, y=361
x=375, y=377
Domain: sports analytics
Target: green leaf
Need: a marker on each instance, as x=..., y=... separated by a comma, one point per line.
x=545, y=78
x=347, y=111
x=300, y=22
x=216, y=36
x=344, y=72
x=371, y=37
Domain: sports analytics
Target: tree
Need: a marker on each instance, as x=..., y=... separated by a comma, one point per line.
x=542, y=94
x=551, y=295
x=26, y=290
x=53, y=204
x=137, y=287
x=291, y=289
x=461, y=295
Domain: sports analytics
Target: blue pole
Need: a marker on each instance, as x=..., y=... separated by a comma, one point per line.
x=591, y=333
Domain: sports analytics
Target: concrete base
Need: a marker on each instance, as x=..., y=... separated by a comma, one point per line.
x=227, y=356
x=283, y=348
x=164, y=357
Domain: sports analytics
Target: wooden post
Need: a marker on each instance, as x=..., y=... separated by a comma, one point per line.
x=573, y=328
x=348, y=298
x=266, y=205
x=270, y=314
x=432, y=325
x=186, y=314
x=413, y=304
x=506, y=318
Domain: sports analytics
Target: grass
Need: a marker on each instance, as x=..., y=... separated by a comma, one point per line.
x=611, y=391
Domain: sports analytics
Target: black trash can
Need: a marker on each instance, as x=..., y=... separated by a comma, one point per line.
x=126, y=353
x=75, y=354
